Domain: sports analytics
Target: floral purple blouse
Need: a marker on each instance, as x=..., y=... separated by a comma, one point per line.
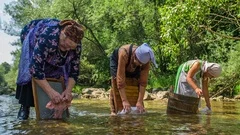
x=45, y=59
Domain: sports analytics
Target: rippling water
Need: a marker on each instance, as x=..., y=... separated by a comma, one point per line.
x=90, y=117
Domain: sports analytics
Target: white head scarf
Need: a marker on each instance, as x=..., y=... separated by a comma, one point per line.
x=213, y=69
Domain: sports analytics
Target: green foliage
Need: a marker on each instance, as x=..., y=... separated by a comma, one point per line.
x=237, y=89
x=4, y=70
x=230, y=76
x=77, y=89
x=162, y=82
x=176, y=30
x=6, y=67
x=2, y=80
x=11, y=76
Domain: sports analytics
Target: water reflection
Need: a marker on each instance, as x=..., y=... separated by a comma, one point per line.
x=191, y=124
x=230, y=108
x=127, y=124
x=89, y=117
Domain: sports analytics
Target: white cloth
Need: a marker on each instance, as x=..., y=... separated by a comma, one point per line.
x=134, y=110
x=206, y=110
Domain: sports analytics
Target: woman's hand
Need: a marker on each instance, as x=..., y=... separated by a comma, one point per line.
x=67, y=95
x=140, y=107
x=199, y=92
x=54, y=96
x=126, y=106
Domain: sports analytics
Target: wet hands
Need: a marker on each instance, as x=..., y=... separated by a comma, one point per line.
x=66, y=96
x=199, y=92
x=140, y=107
x=126, y=106
x=59, y=103
x=55, y=96
x=127, y=109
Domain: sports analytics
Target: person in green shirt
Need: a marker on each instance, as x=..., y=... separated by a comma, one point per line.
x=192, y=79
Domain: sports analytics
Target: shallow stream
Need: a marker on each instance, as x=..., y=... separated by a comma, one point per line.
x=90, y=117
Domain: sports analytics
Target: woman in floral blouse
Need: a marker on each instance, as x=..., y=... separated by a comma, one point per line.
x=51, y=49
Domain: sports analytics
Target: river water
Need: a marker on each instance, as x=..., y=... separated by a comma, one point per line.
x=91, y=117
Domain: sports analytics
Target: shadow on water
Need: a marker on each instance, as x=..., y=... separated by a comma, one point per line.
x=90, y=117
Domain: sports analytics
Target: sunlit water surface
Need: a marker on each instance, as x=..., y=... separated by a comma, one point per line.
x=90, y=117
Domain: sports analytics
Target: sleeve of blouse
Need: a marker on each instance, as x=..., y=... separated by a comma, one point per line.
x=40, y=53
x=122, y=60
x=74, y=64
x=144, y=75
x=27, y=28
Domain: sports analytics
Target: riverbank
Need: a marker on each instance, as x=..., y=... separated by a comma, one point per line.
x=101, y=93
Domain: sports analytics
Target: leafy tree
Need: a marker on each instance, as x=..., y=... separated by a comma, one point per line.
x=2, y=80
x=6, y=67
x=176, y=30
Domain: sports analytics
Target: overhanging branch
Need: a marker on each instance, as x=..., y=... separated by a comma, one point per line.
x=95, y=41
x=219, y=34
